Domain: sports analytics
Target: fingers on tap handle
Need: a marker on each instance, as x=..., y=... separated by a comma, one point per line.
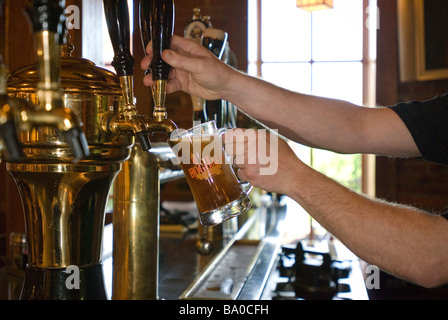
x=162, y=27
x=117, y=19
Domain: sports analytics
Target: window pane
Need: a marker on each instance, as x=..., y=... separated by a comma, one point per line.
x=291, y=76
x=286, y=32
x=345, y=168
x=339, y=80
x=338, y=33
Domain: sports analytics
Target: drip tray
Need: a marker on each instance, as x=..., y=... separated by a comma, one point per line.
x=226, y=276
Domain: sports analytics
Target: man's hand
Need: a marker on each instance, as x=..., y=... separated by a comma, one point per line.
x=195, y=69
x=262, y=158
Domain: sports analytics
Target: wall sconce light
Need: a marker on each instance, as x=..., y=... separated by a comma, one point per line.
x=313, y=5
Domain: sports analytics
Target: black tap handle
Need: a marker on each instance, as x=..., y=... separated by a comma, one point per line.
x=13, y=151
x=77, y=142
x=47, y=15
x=145, y=22
x=162, y=27
x=117, y=18
x=143, y=138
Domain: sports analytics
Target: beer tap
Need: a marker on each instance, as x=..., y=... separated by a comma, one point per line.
x=136, y=216
x=160, y=15
x=48, y=26
x=9, y=142
x=117, y=18
x=215, y=41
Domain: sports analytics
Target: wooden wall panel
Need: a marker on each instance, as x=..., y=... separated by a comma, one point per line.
x=408, y=181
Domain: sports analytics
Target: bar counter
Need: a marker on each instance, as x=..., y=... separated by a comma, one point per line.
x=238, y=267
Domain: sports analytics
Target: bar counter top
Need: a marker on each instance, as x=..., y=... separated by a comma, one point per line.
x=259, y=236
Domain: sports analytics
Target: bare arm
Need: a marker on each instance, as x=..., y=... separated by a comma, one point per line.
x=314, y=121
x=404, y=241
x=320, y=122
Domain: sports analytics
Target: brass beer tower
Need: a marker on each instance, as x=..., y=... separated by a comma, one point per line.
x=136, y=195
x=64, y=185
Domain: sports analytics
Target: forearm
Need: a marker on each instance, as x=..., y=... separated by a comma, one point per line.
x=401, y=240
x=314, y=121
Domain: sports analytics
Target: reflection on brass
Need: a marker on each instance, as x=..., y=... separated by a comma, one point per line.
x=3, y=74
x=159, y=97
x=64, y=211
x=49, y=94
x=128, y=119
x=127, y=86
x=64, y=202
x=89, y=92
x=136, y=221
x=164, y=126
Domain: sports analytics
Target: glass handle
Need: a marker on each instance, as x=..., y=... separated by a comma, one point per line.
x=246, y=186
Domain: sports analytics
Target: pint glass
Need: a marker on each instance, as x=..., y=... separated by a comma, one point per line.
x=217, y=192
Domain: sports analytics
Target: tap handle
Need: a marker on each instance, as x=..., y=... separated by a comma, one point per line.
x=47, y=15
x=145, y=22
x=117, y=18
x=162, y=27
x=77, y=142
x=143, y=138
x=215, y=40
x=13, y=151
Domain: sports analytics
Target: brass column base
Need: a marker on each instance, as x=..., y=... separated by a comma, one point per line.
x=50, y=284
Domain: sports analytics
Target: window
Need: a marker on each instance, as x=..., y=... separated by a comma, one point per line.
x=326, y=53
x=319, y=53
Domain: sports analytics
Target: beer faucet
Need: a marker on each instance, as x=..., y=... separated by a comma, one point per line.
x=9, y=142
x=136, y=216
x=117, y=18
x=48, y=26
x=10, y=145
x=160, y=15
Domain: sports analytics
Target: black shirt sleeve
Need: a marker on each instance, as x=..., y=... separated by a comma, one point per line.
x=445, y=215
x=428, y=124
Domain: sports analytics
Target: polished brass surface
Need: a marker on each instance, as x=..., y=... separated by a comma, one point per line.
x=127, y=87
x=64, y=211
x=136, y=218
x=164, y=126
x=89, y=92
x=3, y=74
x=48, y=61
x=5, y=109
x=64, y=201
x=127, y=120
x=159, y=97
